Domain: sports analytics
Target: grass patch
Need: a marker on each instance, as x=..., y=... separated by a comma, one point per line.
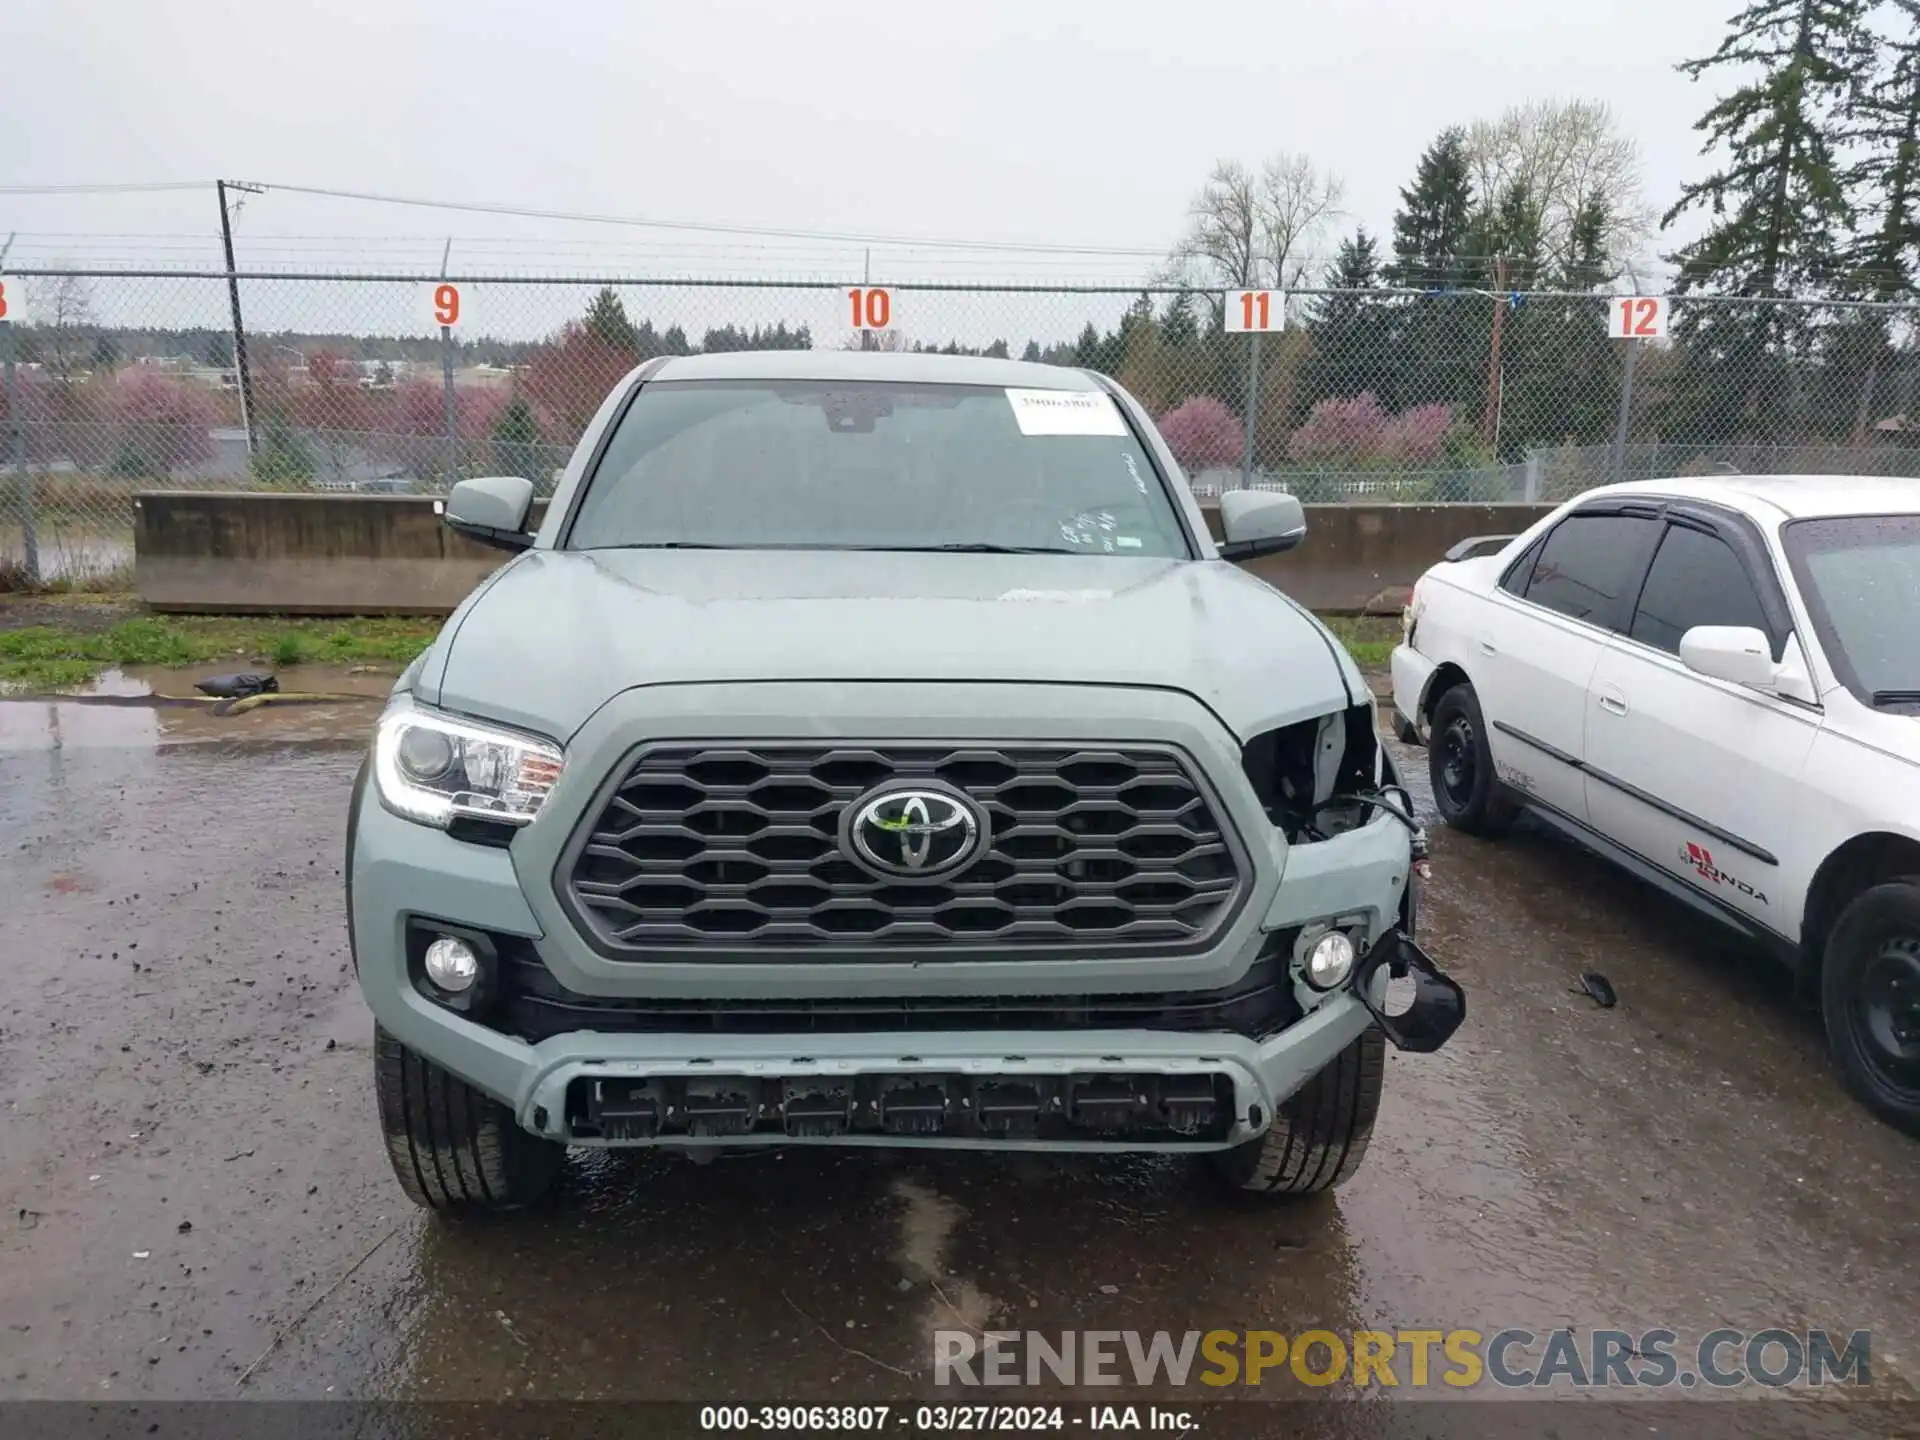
x=57, y=656
x=1369, y=638
x=50, y=657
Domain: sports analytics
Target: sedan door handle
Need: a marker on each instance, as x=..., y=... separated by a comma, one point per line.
x=1613, y=702
x=1485, y=642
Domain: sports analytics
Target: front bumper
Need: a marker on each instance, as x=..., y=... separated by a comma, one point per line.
x=1412, y=674
x=400, y=872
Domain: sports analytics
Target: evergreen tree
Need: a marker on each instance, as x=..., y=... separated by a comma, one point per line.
x=1778, y=212
x=1351, y=332
x=1559, y=372
x=1884, y=183
x=1088, y=351
x=282, y=457
x=1438, y=348
x=607, y=321
x=517, y=442
x=1177, y=323
x=1431, y=230
x=1778, y=209
x=1032, y=353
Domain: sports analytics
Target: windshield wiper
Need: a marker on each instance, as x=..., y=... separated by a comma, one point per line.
x=1896, y=697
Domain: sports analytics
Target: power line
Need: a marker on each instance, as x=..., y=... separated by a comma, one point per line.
x=104, y=189
x=841, y=237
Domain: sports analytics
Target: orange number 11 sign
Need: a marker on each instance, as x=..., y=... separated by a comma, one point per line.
x=1256, y=310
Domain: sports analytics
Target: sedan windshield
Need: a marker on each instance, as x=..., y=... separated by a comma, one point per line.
x=862, y=466
x=1860, y=577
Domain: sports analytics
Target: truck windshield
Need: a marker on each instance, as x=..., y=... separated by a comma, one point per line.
x=858, y=466
x=1860, y=577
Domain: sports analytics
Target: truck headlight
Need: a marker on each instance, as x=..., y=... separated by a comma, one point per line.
x=435, y=769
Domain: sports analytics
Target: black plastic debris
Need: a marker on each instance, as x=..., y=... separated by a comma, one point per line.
x=238, y=686
x=1599, y=988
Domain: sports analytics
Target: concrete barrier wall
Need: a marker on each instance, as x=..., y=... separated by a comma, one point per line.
x=240, y=553
x=1363, y=559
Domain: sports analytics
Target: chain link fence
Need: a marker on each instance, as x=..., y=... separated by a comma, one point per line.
x=118, y=381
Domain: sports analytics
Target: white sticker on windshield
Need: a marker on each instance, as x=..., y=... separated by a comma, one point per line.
x=1065, y=412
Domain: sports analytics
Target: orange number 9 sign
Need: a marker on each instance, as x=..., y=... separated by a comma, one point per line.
x=446, y=305
x=3, y=299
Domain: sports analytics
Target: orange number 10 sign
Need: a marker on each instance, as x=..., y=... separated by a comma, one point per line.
x=446, y=304
x=872, y=307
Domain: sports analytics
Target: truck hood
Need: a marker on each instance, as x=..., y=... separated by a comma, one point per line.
x=555, y=634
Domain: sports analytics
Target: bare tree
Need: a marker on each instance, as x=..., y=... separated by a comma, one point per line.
x=1568, y=158
x=1297, y=203
x=1246, y=230
x=1223, y=236
x=62, y=307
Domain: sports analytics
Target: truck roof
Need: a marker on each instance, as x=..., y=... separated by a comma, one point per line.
x=874, y=365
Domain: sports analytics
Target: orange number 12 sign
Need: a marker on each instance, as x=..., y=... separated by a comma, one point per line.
x=1637, y=317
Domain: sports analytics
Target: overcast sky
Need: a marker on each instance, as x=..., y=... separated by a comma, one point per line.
x=1088, y=124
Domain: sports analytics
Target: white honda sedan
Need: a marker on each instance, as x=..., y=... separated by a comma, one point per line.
x=1715, y=684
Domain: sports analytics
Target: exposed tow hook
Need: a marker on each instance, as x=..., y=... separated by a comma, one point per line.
x=1421, y=850
x=1439, y=1004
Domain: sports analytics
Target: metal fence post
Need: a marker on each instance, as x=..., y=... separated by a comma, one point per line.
x=450, y=410
x=1253, y=409
x=16, y=421
x=1618, y=468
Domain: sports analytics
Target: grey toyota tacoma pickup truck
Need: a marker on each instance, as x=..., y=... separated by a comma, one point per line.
x=876, y=749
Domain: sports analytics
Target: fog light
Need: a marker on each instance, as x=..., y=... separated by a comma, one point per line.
x=452, y=965
x=1328, y=963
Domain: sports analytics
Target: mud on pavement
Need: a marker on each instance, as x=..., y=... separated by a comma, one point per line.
x=195, y=1202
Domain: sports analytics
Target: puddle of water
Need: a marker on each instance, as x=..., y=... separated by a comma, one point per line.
x=54, y=724
x=294, y=679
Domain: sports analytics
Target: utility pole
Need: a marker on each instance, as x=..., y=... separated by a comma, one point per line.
x=233, y=296
x=1490, y=417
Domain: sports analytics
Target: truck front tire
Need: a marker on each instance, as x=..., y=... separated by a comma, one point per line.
x=1320, y=1135
x=452, y=1147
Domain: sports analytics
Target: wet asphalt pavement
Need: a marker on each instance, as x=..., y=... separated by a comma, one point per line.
x=193, y=1187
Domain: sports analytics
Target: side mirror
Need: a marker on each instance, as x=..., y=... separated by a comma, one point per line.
x=1256, y=522
x=492, y=509
x=1738, y=654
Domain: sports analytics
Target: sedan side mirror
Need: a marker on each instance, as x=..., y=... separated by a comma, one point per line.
x=492, y=509
x=1738, y=654
x=1256, y=522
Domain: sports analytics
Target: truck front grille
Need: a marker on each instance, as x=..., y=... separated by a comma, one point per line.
x=737, y=846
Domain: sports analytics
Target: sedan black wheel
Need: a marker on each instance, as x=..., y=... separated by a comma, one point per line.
x=1466, y=790
x=1870, y=992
